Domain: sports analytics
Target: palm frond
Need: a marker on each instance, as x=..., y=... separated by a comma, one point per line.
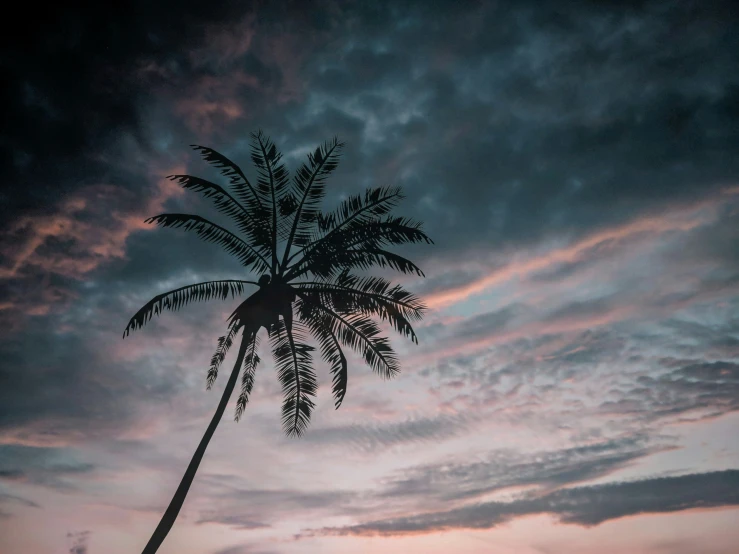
x=251, y=360
x=293, y=362
x=358, y=244
x=408, y=303
x=250, y=221
x=370, y=296
x=338, y=249
x=210, y=232
x=328, y=265
x=175, y=299
x=224, y=344
x=355, y=210
x=241, y=185
x=308, y=191
x=333, y=306
x=356, y=331
x=378, y=232
x=272, y=173
x=271, y=184
x=366, y=258
x=331, y=352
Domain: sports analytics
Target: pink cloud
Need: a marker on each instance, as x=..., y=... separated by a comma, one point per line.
x=85, y=231
x=638, y=307
x=679, y=218
x=93, y=240
x=41, y=433
x=211, y=101
x=208, y=102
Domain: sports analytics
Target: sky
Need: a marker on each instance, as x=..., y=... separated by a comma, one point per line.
x=576, y=383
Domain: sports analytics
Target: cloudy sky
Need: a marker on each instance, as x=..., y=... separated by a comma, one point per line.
x=576, y=385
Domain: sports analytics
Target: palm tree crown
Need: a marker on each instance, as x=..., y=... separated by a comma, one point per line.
x=304, y=258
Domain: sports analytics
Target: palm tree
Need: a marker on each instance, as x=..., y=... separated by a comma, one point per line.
x=311, y=288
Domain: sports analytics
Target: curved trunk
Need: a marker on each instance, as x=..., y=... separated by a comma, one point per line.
x=169, y=517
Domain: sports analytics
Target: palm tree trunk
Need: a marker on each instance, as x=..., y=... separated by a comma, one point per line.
x=169, y=517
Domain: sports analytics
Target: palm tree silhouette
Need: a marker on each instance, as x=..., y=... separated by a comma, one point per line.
x=313, y=283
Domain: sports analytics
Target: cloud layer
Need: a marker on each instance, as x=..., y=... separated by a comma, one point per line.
x=581, y=505
x=574, y=163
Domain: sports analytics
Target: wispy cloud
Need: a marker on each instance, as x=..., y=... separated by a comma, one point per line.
x=371, y=437
x=680, y=218
x=458, y=480
x=583, y=506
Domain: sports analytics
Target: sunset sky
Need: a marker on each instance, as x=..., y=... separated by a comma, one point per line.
x=576, y=384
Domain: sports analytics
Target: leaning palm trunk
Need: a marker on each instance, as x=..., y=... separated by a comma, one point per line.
x=169, y=517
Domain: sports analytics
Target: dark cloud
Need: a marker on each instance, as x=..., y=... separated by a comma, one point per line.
x=48, y=467
x=582, y=112
x=457, y=480
x=721, y=372
x=545, y=96
x=585, y=506
x=704, y=389
x=65, y=387
x=698, y=340
x=70, y=86
x=534, y=118
x=594, y=505
x=75, y=83
x=79, y=542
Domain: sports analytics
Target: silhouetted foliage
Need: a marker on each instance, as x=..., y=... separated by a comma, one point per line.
x=302, y=293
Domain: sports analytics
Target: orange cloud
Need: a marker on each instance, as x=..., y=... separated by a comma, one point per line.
x=85, y=231
x=93, y=242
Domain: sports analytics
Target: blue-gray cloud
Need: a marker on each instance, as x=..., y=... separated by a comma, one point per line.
x=10, y=500
x=371, y=437
x=460, y=480
x=585, y=506
x=49, y=467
